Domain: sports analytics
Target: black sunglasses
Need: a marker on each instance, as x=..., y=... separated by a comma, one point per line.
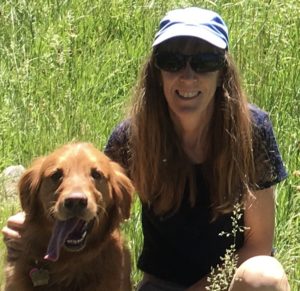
x=200, y=63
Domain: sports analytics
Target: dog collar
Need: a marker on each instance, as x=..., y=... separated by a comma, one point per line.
x=39, y=276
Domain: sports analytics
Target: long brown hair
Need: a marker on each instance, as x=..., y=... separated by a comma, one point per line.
x=160, y=168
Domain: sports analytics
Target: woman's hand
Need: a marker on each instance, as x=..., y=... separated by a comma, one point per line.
x=12, y=235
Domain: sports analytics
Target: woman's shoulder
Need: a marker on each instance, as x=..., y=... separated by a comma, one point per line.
x=258, y=115
x=117, y=147
x=268, y=161
x=121, y=129
x=261, y=124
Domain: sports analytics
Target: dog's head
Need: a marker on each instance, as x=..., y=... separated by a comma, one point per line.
x=77, y=190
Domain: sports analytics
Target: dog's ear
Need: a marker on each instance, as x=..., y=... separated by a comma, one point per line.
x=122, y=190
x=29, y=185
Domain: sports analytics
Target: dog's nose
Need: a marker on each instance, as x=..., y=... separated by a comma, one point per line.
x=75, y=202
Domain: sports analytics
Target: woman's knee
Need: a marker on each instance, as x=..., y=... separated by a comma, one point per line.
x=260, y=273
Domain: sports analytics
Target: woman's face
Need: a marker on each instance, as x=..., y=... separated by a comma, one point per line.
x=187, y=92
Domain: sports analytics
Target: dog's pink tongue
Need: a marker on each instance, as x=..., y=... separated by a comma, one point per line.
x=59, y=234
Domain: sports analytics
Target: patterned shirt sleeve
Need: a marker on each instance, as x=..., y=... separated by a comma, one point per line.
x=269, y=166
x=117, y=146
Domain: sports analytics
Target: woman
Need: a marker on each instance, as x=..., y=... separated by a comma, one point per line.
x=195, y=149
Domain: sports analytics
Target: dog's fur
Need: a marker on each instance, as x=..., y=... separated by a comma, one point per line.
x=78, y=181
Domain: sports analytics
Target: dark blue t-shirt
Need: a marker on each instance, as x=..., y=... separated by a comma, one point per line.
x=182, y=247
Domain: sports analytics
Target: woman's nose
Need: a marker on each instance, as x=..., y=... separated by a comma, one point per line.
x=187, y=73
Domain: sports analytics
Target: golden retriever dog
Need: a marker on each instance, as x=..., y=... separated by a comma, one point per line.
x=74, y=200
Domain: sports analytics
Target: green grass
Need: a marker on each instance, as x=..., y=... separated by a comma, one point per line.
x=67, y=69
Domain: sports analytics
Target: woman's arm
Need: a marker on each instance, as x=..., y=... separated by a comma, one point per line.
x=259, y=217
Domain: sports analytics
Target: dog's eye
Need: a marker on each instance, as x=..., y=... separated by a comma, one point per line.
x=57, y=175
x=97, y=175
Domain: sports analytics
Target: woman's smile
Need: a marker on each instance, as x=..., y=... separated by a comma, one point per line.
x=187, y=94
